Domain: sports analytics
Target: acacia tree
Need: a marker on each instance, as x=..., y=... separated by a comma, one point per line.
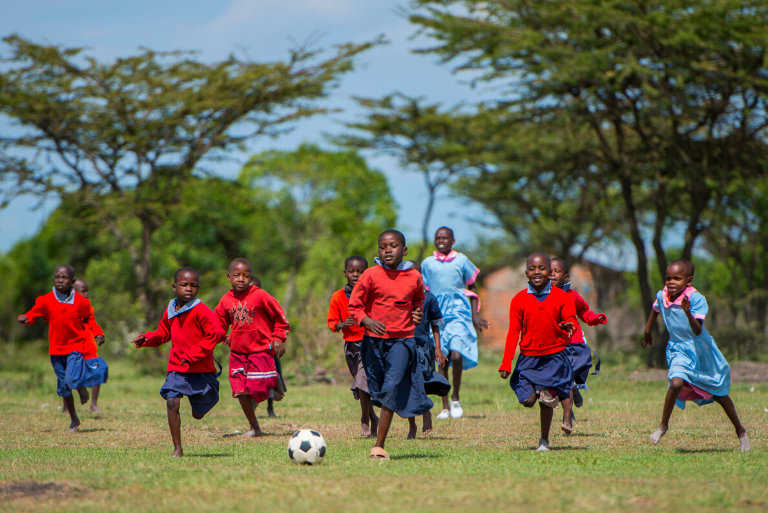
x=124, y=136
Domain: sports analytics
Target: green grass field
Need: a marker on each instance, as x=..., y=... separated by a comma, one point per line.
x=119, y=461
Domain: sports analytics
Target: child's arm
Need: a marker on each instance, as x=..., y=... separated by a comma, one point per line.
x=479, y=323
x=280, y=325
x=334, y=320
x=357, y=302
x=568, y=320
x=584, y=313
x=213, y=334
x=694, y=322
x=35, y=313
x=155, y=338
x=513, y=336
x=223, y=318
x=647, y=337
x=440, y=358
x=98, y=333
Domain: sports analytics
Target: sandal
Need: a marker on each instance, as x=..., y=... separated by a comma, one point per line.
x=377, y=453
x=547, y=400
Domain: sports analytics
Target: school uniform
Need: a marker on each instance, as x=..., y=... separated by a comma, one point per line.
x=256, y=319
x=96, y=369
x=434, y=382
x=695, y=359
x=534, y=319
x=395, y=380
x=579, y=353
x=338, y=311
x=193, y=331
x=70, y=318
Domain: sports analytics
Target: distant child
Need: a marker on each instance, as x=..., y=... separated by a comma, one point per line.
x=71, y=329
x=428, y=352
x=579, y=353
x=259, y=328
x=543, y=318
x=387, y=301
x=277, y=393
x=193, y=331
x=96, y=369
x=450, y=276
x=340, y=320
x=698, y=371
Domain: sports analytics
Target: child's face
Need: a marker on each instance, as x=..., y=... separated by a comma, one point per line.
x=559, y=277
x=63, y=280
x=239, y=277
x=391, y=250
x=81, y=288
x=537, y=271
x=677, y=280
x=355, y=268
x=186, y=287
x=444, y=241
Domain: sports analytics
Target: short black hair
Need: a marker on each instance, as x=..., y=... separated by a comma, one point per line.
x=255, y=280
x=394, y=232
x=540, y=254
x=239, y=261
x=183, y=270
x=416, y=265
x=565, y=264
x=67, y=267
x=687, y=264
x=446, y=228
x=353, y=258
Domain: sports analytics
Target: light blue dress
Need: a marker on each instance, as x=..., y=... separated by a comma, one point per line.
x=447, y=279
x=697, y=360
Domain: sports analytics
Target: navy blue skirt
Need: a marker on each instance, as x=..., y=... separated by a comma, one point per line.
x=96, y=372
x=395, y=379
x=201, y=388
x=70, y=372
x=434, y=382
x=580, y=356
x=533, y=373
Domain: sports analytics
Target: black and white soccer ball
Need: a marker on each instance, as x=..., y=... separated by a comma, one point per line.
x=306, y=447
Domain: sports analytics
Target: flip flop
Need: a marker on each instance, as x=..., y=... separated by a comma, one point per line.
x=377, y=453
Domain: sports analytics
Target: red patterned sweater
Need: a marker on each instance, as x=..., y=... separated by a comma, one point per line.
x=256, y=319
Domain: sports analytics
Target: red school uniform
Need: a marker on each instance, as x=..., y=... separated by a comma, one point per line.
x=91, y=351
x=585, y=314
x=194, y=332
x=539, y=324
x=338, y=311
x=70, y=322
x=388, y=296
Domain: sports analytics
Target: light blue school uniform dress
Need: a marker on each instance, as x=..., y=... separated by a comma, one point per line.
x=696, y=360
x=447, y=276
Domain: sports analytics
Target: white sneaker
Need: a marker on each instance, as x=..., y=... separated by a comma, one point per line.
x=445, y=414
x=543, y=445
x=456, y=410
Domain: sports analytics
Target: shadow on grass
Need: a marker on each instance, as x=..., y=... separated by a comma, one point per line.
x=556, y=448
x=695, y=451
x=91, y=430
x=214, y=455
x=473, y=416
x=416, y=456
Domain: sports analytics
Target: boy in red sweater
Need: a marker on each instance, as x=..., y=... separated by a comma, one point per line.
x=259, y=328
x=387, y=301
x=579, y=353
x=543, y=319
x=70, y=332
x=193, y=331
x=339, y=319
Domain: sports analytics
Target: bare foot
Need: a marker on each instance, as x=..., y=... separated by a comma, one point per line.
x=744, y=442
x=271, y=414
x=84, y=395
x=567, y=427
x=95, y=409
x=75, y=423
x=365, y=430
x=426, y=428
x=178, y=453
x=412, y=432
x=252, y=433
x=656, y=435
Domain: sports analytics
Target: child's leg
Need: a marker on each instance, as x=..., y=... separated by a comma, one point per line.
x=567, y=426
x=545, y=414
x=95, y=398
x=411, y=428
x=457, y=361
x=64, y=405
x=730, y=410
x=384, y=422
x=70, y=403
x=565, y=413
x=247, y=406
x=271, y=407
x=675, y=386
x=427, y=427
x=443, y=370
x=369, y=422
x=174, y=423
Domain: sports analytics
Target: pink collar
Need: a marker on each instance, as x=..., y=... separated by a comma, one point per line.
x=679, y=301
x=445, y=258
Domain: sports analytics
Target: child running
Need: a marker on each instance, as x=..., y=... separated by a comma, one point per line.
x=277, y=393
x=387, y=301
x=193, y=331
x=259, y=330
x=543, y=318
x=579, y=353
x=71, y=330
x=698, y=371
x=340, y=320
x=450, y=276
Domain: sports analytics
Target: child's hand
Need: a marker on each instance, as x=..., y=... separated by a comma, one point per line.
x=440, y=358
x=184, y=361
x=22, y=319
x=503, y=374
x=139, y=341
x=568, y=327
x=226, y=341
x=279, y=347
x=376, y=327
x=686, y=304
x=346, y=323
x=602, y=318
x=99, y=340
x=418, y=315
x=479, y=322
x=647, y=339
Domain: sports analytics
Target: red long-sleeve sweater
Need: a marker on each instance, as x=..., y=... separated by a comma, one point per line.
x=69, y=325
x=585, y=314
x=91, y=350
x=536, y=324
x=389, y=297
x=256, y=319
x=338, y=311
x=194, y=334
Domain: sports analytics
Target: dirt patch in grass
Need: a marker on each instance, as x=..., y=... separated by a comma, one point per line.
x=743, y=372
x=33, y=490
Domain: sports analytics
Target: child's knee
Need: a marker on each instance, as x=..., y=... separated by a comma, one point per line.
x=676, y=384
x=172, y=403
x=197, y=416
x=530, y=402
x=456, y=357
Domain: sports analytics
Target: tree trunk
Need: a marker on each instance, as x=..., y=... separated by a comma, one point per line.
x=290, y=288
x=425, y=225
x=658, y=231
x=142, y=267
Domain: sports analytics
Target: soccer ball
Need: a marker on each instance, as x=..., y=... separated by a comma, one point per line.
x=306, y=447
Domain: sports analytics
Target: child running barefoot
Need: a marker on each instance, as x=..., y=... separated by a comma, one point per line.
x=193, y=331
x=387, y=301
x=259, y=327
x=579, y=353
x=698, y=371
x=70, y=319
x=277, y=393
x=340, y=320
x=543, y=318
x=450, y=276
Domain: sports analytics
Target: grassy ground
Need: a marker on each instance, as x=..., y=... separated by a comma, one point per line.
x=120, y=460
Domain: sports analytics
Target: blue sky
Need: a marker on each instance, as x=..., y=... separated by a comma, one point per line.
x=265, y=29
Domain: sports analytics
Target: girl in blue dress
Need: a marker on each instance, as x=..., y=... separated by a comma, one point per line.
x=450, y=276
x=698, y=371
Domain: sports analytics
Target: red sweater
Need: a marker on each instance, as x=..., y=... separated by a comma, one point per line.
x=91, y=351
x=389, y=297
x=338, y=311
x=194, y=334
x=536, y=324
x=69, y=327
x=256, y=319
x=585, y=314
